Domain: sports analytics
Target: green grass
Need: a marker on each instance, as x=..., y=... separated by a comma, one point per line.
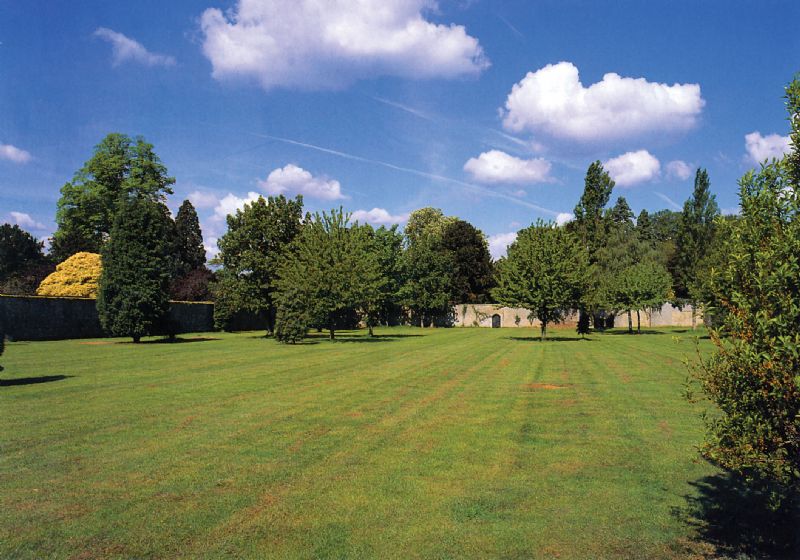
x=443, y=443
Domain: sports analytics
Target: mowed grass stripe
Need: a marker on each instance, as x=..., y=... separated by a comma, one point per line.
x=426, y=443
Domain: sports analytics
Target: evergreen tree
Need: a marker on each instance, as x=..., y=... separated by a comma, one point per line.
x=694, y=238
x=133, y=293
x=644, y=227
x=191, y=254
x=251, y=253
x=545, y=271
x=621, y=213
x=590, y=227
x=118, y=170
x=472, y=264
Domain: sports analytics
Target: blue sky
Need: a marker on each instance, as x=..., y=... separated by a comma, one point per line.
x=489, y=110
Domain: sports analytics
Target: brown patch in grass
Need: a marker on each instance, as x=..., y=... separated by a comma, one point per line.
x=355, y=414
x=665, y=428
x=187, y=421
x=504, y=362
x=625, y=377
x=544, y=386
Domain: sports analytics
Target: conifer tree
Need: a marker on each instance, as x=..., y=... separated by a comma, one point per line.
x=134, y=284
x=621, y=212
x=694, y=239
x=191, y=254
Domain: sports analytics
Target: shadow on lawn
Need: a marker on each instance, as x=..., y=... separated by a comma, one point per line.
x=177, y=340
x=548, y=339
x=734, y=517
x=361, y=337
x=32, y=380
x=625, y=331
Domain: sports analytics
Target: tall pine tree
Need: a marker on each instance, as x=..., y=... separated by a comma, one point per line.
x=191, y=254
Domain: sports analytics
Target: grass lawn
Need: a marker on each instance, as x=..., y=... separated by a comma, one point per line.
x=435, y=443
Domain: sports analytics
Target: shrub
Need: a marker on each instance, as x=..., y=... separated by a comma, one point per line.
x=75, y=277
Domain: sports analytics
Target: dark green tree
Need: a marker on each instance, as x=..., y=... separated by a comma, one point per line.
x=133, y=293
x=251, y=253
x=621, y=213
x=120, y=168
x=472, y=274
x=191, y=254
x=589, y=226
x=694, y=238
x=644, y=227
x=19, y=250
x=545, y=271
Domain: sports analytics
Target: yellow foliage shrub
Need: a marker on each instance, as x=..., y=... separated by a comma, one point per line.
x=75, y=277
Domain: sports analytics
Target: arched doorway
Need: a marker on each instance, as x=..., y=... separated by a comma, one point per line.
x=495, y=321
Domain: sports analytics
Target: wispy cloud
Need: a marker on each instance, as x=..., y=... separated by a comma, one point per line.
x=437, y=177
x=674, y=205
x=406, y=108
x=12, y=153
x=125, y=49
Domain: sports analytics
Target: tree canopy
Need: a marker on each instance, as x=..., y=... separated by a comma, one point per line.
x=134, y=285
x=545, y=271
x=78, y=276
x=119, y=169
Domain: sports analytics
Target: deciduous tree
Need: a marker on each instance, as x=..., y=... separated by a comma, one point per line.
x=78, y=276
x=545, y=271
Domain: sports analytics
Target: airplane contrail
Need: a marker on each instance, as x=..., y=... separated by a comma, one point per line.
x=353, y=157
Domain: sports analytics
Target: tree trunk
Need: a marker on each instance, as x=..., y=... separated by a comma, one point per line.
x=630, y=322
x=271, y=313
x=369, y=326
x=638, y=323
x=694, y=317
x=422, y=320
x=544, y=330
x=136, y=338
x=331, y=327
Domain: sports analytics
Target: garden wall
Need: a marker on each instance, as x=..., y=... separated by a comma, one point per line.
x=480, y=315
x=47, y=318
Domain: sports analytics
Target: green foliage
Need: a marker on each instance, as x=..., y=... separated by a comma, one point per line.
x=545, y=271
x=588, y=223
x=332, y=268
x=293, y=318
x=621, y=213
x=119, y=169
x=19, y=250
x=472, y=276
x=754, y=375
x=425, y=223
x=190, y=252
x=251, y=253
x=644, y=227
x=388, y=247
x=644, y=285
x=134, y=283
x=694, y=237
x=427, y=273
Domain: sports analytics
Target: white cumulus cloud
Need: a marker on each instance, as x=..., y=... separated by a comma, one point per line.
x=25, y=221
x=760, y=148
x=202, y=199
x=553, y=101
x=499, y=242
x=679, y=169
x=126, y=49
x=564, y=217
x=495, y=166
x=292, y=179
x=378, y=216
x=632, y=168
x=230, y=203
x=324, y=44
x=12, y=153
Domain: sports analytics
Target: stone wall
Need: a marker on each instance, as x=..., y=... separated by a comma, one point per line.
x=48, y=318
x=480, y=315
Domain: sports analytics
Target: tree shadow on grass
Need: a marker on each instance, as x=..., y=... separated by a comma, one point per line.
x=548, y=339
x=634, y=333
x=734, y=517
x=179, y=340
x=375, y=338
x=32, y=380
